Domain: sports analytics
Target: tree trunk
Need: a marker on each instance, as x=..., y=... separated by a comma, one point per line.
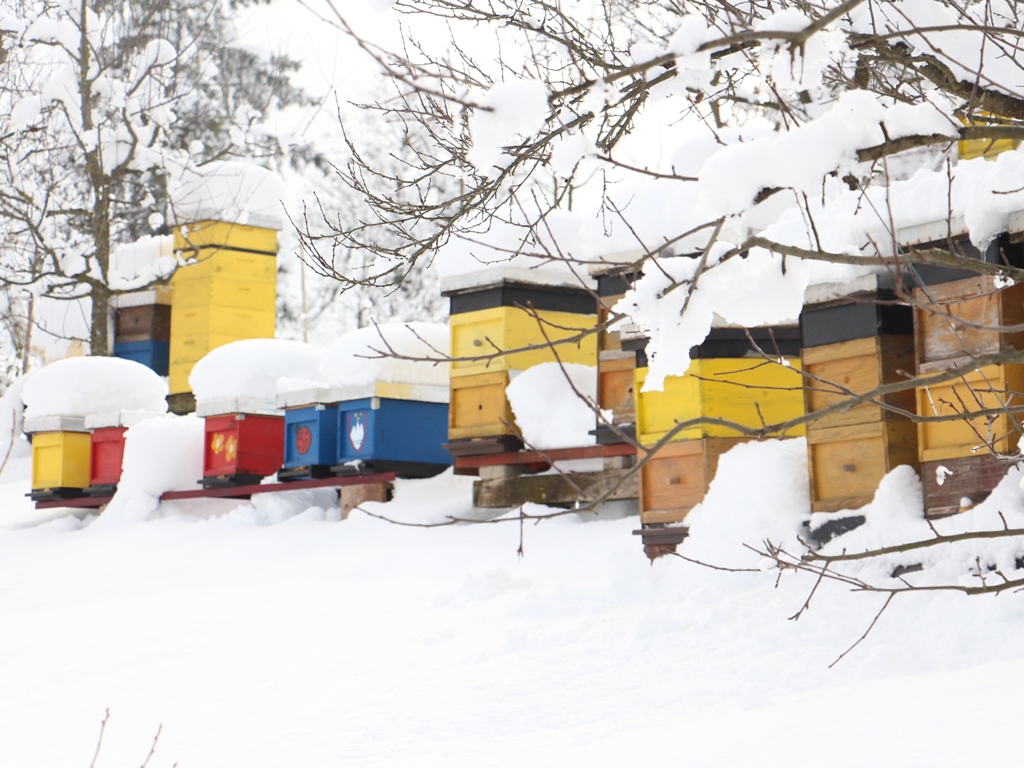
x=99, y=341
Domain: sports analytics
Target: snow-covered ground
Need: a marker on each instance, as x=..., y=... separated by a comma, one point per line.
x=270, y=636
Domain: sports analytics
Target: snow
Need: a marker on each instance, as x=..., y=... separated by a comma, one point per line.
x=368, y=355
x=554, y=404
x=360, y=642
x=234, y=191
x=507, y=112
x=250, y=369
x=80, y=386
x=136, y=265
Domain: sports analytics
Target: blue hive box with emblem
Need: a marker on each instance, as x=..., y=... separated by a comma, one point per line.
x=380, y=427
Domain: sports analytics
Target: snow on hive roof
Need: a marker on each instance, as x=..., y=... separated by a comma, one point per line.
x=241, y=193
x=80, y=386
x=250, y=369
x=548, y=410
x=494, y=276
x=365, y=355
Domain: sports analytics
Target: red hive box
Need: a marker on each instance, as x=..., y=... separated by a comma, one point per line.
x=107, y=455
x=242, y=447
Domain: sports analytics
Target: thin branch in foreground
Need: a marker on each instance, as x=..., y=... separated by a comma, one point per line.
x=866, y=632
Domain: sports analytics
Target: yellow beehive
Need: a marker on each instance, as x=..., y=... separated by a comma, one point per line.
x=228, y=294
x=747, y=391
x=478, y=407
x=60, y=460
x=207, y=235
x=987, y=148
x=497, y=329
x=990, y=388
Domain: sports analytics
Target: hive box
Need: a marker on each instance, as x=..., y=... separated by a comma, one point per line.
x=965, y=483
x=61, y=448
x=142, y=328
x=107, y=453
x=953, y=237
x=493, y=312
x=677, y=478
x=244, y=441
x=852, y=346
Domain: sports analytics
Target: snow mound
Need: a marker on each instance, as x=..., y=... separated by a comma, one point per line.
x=146, y=472
x=549, y=404
x=251, y=369
x=233, y=191
x=366, y=355
x=79, y=386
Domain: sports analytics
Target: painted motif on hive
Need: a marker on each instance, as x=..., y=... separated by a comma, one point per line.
x=303, y=440
x=355, y=428
x=228, y=446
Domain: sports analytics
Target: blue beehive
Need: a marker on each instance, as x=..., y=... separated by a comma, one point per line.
x=403, y=436
x=380, y=427
x=152, y=354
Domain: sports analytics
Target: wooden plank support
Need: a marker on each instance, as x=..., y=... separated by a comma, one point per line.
x=554, y=489
x=544, y=457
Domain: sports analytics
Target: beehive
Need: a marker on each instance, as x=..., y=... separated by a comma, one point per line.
x=615, y=365
x=493, y=312
x=956, y=485
x=739, y=389
x=946, y=313
x=987, y=148
x=228, y=294
x=107, y=453
x=142, y=328
x=746, y=391
x=852, y=346
x=244, y=441
x=61, y=448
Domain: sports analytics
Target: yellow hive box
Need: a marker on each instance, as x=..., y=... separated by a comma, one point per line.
x=216, y=320
x=61, y=460
x=987, y=148
x=204, y=234
x=990, y=387
x=478, y=406
x=186, y=351
x=223, y=292
x=237, y=265
x=485, y=331
x=743, y=390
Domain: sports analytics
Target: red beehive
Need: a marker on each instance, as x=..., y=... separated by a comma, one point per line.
x=107, y=455
x=242, y=447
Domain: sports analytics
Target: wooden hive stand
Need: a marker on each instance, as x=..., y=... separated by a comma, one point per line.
x=962, y=460
x=142, y=328
x=720, y=382
x=228, y=291
x=855, y=339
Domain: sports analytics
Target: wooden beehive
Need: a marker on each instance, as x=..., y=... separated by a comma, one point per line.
x=244, y=441
x=142, y=328
x=747, y=391
x=615, y=365
x=491, y=313
x=850, y=347
x=228, y=294
x=997, y=388
x=965, y=482
x=61, y=451
x=953, y=237
x=946, y=313
x=676, y=479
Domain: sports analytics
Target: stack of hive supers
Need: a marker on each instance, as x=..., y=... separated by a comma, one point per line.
x=142, y=328
x=501, y=309
x=958, y=316
x=856, y=338
x=228, y=294
x=61, y=453
x=727, y=379
x=615, y=363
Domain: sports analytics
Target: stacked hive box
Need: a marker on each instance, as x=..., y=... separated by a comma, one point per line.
x=229, y=294
x=493, y=312
x=142, y=328
x=853, y=345
x=960, y=458
x=61, y=453
x=616, y=364
x=107, y=448
x=380, y=427
x=720, y=383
